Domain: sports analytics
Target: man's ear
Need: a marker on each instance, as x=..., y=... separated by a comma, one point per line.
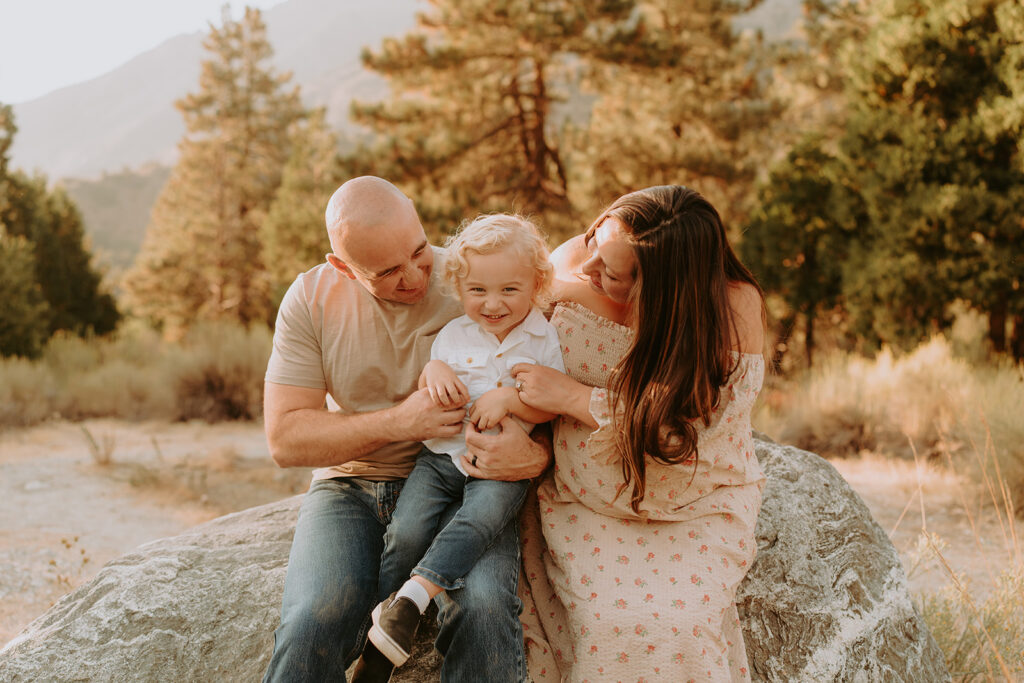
x=341, y=266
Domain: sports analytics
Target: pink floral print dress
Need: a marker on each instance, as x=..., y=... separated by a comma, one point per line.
x=610, y=595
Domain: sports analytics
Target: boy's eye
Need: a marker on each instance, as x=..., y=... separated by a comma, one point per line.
x=511, y=289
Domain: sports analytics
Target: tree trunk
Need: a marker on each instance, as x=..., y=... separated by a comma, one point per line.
x=1017, y=340
x=997, y=326
x=809, y=336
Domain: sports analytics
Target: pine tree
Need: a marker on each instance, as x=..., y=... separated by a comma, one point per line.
x=679, y=101
x=933, y=152
x=294, y=234
x=42, y=230
x=794, y=242
x=473, y=122
x=202, y=256
x=24, y=316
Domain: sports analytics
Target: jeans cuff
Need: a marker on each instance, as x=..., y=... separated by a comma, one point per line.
x=439, y=580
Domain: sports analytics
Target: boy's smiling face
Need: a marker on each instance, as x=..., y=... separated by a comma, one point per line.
x=497, y=292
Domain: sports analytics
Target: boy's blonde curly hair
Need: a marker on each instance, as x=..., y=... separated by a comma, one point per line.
x=487, y=234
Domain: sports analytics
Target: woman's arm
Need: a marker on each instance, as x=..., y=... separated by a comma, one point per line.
x=552, y=391
x=748, y=317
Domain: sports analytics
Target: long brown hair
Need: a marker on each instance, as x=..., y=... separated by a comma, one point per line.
x=680, y=357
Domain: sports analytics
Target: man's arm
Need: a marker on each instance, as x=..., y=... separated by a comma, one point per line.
x=302, y=433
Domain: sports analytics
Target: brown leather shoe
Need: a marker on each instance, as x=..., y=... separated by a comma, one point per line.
x=394, y=627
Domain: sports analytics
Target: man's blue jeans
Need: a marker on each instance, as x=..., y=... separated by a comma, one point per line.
x=418, y=543
x=332, y=583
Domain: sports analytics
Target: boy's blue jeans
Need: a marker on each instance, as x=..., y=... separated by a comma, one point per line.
x=442, y=548
x=331, y=587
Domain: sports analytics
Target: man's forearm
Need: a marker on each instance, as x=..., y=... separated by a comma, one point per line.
x=316, y=437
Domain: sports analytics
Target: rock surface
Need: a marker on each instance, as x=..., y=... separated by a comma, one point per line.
x=826, y=599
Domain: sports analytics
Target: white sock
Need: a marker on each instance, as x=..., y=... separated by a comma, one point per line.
x=415, y=592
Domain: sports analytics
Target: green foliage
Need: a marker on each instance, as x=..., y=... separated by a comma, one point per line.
x=24, y=317
x=202, y=256
x=294, y=239
x=933, y=153
x=472, y=125
x=679, y=100
x=919, y=204
x=47, y=274
x=794, y=243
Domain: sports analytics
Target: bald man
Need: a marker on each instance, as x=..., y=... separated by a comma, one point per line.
x=359, y=328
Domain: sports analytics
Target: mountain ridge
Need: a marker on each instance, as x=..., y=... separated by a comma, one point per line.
x=71, y=132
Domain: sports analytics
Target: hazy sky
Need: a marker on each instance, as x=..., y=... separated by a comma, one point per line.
x=48, y=44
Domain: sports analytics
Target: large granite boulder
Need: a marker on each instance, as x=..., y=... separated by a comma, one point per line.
x=826, y=599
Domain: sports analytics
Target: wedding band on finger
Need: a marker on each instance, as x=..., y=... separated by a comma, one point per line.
x=519, y=385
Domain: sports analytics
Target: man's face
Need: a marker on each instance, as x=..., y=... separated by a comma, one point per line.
x=393, y=262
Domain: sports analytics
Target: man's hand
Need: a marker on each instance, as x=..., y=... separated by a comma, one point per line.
x=419, y=418
x=510, y=455
x=488, y=410
x=446, y=389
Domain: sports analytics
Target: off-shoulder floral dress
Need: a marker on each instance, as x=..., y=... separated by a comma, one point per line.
x=611, y=595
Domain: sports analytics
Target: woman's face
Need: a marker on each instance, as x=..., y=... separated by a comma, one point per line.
x=611, y=264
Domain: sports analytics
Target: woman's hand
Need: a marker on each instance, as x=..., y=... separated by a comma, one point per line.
x=552, y=391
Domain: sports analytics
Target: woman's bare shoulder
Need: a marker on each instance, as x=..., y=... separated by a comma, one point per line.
x=568, y=258
x=748, y=315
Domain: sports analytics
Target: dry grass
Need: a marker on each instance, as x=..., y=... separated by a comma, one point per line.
x=980, y=629
x=951, y=428
x=948, y=407
x=214, y=374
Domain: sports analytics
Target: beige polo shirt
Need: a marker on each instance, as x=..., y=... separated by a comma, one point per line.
x=365, y=352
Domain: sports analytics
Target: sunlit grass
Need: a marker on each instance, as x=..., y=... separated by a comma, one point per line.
x=946, y=406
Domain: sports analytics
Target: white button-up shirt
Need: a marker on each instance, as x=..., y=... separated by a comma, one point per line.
x=482, y=363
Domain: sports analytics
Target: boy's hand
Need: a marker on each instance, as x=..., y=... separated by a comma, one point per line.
x=489, y=409
x=445, y=387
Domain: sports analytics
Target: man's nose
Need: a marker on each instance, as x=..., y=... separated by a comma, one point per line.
x=412, y=276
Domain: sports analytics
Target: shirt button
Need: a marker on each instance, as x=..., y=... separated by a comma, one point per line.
x=497, y=355
x=499, y=383
x=469, y=360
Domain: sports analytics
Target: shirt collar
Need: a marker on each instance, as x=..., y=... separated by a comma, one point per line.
x=534, y=324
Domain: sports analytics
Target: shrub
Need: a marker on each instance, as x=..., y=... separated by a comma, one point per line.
x=28, y=392
x=221, y=377
x=118, y=389
x=978, y=640
x=215, y=373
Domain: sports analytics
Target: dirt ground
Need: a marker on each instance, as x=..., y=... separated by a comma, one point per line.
x=64, y=513
x=75, y=496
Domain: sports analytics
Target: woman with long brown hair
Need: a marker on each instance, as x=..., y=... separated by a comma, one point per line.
x=644, y=528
